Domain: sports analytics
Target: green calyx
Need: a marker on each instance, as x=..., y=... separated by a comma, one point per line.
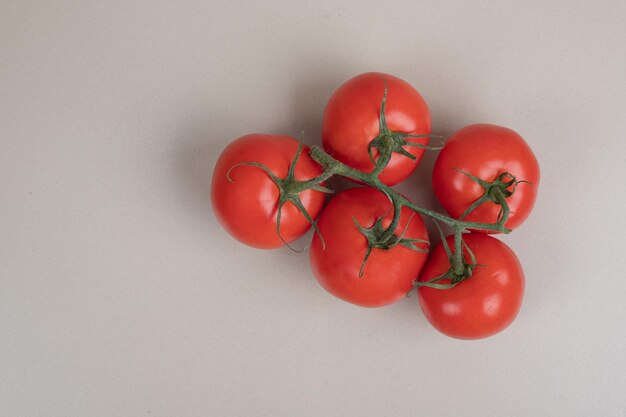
x=378, y=237
x=460, y=269
x=289, y=191
x=387, y=142
x=496, y=191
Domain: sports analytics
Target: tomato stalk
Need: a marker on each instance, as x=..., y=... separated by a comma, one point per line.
x=330, y=164
x=385, y=238
x=378, y=237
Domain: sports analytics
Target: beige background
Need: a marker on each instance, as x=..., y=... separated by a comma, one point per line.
x=121, y=296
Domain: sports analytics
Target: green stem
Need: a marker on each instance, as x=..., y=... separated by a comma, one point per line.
x=331, y=164
x=504, y=207
x=305, y=185
x=457, y=260
x=397, y=210
x=384, y=157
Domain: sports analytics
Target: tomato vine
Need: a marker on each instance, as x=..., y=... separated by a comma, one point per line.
x=388, y=142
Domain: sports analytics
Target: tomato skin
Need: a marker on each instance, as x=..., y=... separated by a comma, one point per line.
x=485, y=151
x=388, y=274
x=247, y=207
x=479, y=306
x=351, y=121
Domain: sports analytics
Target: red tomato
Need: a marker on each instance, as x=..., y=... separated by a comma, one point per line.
x=351, y=121
x=388, y=274
x=485, y=151
x=481, y=305
x=247, y=207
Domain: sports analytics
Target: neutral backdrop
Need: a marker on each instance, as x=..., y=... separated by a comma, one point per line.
x=120, y=295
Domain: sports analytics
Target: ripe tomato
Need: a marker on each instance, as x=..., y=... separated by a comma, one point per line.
x=485, y=151
x=481, y=305
x=388, y=273
x=351, y=122
x=247, y=207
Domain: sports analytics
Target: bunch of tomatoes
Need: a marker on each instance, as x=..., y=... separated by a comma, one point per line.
x=370, y=245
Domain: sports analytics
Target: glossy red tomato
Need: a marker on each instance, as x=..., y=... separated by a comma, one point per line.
x=481, y=305
x=388, y=273
x=351, y=121
x=247, y=207
x=485, y=151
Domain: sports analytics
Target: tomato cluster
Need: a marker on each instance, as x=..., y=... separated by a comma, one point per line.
x=371, y=245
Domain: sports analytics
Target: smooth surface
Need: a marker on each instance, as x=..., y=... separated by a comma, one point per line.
x=121, y=296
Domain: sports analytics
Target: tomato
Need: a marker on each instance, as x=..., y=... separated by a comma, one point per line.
x=481, y=305
x=388, y=273
x=247, y=207
x=485, y=151
x=351, y=122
